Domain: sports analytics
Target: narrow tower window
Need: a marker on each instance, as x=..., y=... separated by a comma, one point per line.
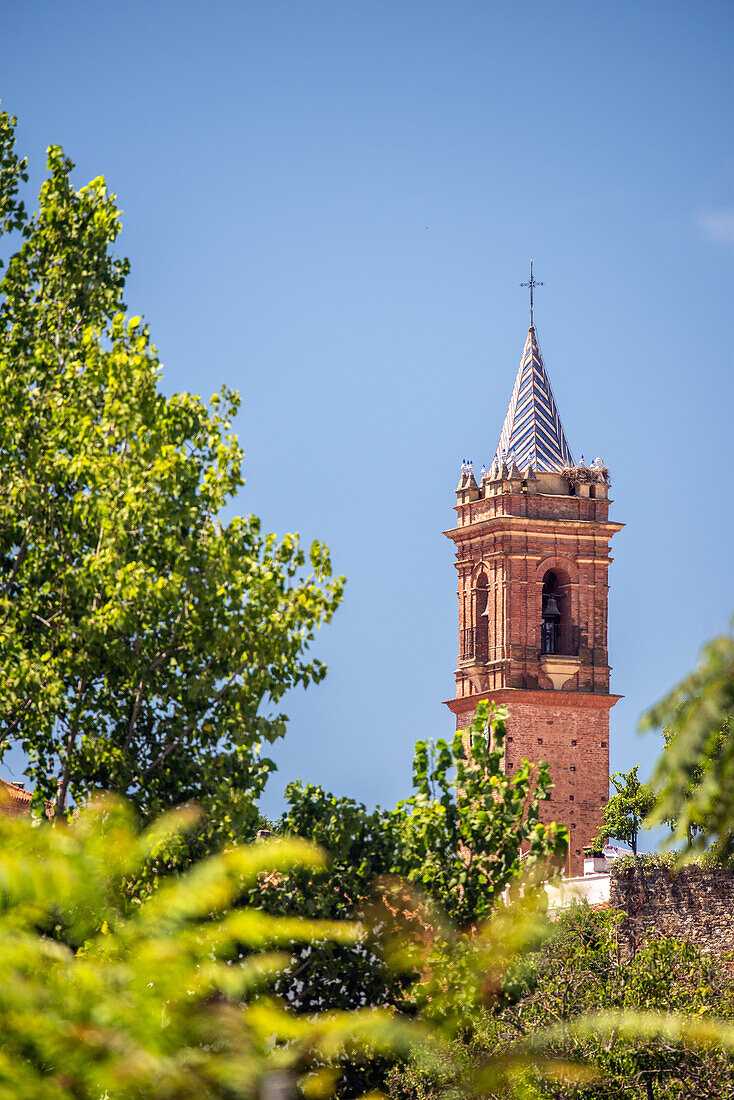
x=481, y=620
x=551, y=629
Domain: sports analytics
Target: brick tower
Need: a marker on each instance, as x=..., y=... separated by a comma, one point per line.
x=532, y=549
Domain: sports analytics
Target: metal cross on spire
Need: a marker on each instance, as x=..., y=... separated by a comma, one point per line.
x=532, y=284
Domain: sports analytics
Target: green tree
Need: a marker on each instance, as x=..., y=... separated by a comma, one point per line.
x=144, y=642
x=461, y=833
x=695, y=774
x=626, y=810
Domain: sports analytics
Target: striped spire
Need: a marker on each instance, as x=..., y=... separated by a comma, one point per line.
x=532, y=434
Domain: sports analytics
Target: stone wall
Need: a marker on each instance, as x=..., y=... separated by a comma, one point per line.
x=693, y=903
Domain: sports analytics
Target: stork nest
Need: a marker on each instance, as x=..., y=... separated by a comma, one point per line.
x=587, y=475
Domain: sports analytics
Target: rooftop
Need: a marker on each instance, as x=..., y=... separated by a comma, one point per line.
x=532, y=434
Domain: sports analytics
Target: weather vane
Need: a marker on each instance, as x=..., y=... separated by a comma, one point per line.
x=532, y=284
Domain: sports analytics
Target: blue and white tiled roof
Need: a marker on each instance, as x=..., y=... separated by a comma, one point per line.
x=532, y=434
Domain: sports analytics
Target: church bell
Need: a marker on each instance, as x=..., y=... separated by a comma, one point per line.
x=550, y=608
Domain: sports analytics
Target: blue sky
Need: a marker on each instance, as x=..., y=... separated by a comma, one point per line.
x=330, y=207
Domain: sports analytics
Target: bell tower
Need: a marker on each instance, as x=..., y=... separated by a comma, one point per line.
x=532, y=553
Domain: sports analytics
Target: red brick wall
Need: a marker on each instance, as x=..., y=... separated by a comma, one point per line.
x=575, y=743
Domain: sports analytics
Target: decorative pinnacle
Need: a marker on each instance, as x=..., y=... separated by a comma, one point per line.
x=533, y=283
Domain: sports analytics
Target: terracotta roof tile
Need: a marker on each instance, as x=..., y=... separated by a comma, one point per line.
x=15, y=800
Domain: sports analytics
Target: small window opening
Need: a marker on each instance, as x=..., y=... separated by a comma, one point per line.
x=481, y=621
x=573, y=742
x=540, y=740
x=573, y=767
x=570, y=798
x=592, y=491
x=550, y=636
x=572, y=490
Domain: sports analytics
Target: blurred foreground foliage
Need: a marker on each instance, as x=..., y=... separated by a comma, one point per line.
x=106, y=996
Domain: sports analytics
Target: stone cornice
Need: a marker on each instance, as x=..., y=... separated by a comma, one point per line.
x=571, y=699
x=576, y=528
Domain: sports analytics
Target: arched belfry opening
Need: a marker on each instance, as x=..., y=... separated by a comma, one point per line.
x=558, y=634
x=481, y=618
